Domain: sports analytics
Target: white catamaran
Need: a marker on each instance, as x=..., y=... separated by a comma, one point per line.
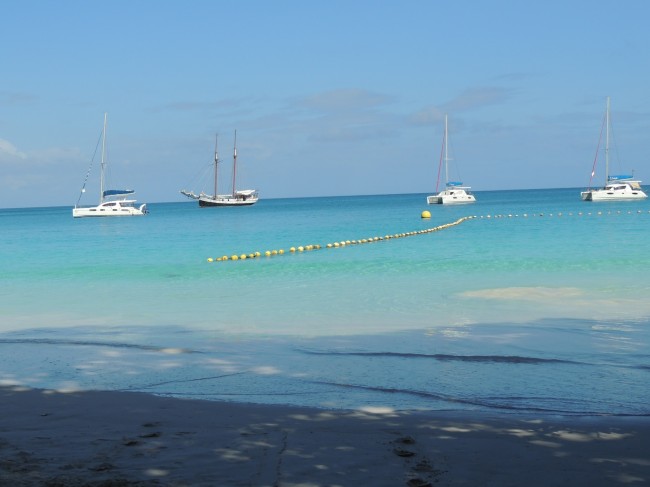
x=112, y=202
x=617, y=187
x=454, y=193
x=241, y=197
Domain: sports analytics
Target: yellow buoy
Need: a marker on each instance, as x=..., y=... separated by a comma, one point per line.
x=210, y=259
x=426, y=214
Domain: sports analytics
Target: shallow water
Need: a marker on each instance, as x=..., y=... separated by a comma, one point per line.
x=536, y=303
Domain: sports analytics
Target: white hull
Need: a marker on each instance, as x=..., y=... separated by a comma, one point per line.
x=617, y=193
x=451, y=197
x=111, y=208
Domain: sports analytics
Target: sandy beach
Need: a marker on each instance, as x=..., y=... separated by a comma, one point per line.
x=117, y=439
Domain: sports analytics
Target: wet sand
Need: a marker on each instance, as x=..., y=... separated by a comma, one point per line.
x=113, y=439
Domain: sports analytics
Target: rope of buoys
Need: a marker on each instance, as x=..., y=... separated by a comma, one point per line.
x=561, y=214
x=338, y=244
x=424, y=215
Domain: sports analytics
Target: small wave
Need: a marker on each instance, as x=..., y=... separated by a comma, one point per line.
x=510, y=359
x=179, y=381
x=88, y=343
x=526, y=293
x=484, y=403
x=218, y=395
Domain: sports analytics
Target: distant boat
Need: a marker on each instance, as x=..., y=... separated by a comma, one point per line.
x=112, y=202
x=241, y=197
x=454, y=193
x=617, y=187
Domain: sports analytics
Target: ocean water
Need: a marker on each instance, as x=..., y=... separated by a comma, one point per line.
x=537, y=302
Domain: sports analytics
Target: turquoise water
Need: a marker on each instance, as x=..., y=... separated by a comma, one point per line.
x=538, y=302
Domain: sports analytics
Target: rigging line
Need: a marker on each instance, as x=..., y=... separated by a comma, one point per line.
x=600, y=138
x=202, y=177
x=83, y=187
x=442, y=148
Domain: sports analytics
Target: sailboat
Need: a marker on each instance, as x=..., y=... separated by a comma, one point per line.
x=454, y=192
x=241, y=197
x=112, y=202
x=617, y=187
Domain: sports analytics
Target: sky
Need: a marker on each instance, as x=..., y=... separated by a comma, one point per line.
x=328, y=97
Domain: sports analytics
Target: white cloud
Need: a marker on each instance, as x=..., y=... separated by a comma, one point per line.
x=16, y=98
x=469, y=100
x=8, y=151
x=351, y=99
x=473, y=98
x=427, y=116
x=193, y=106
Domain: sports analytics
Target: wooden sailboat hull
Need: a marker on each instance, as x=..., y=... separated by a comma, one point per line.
x=229, y=201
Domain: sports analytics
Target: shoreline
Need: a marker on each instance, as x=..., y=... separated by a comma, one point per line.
x=95, y=438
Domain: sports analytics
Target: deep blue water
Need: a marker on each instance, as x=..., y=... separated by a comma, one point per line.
x=537, y=302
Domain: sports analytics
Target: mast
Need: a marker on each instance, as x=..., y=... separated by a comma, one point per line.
x=101, y=176
x=234, y=165
x=446, y=155
x=607, y=145
x=216, y=162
